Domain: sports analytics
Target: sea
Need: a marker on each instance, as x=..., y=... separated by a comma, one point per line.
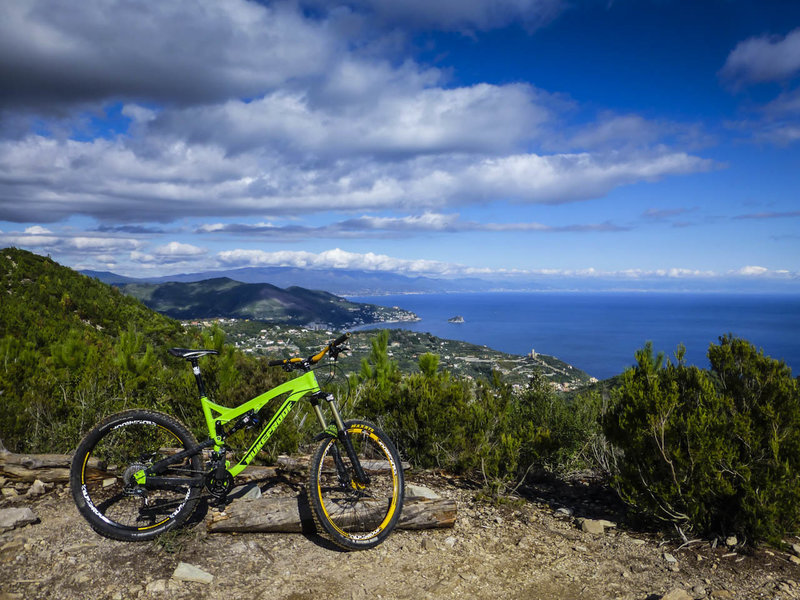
x=599, y=332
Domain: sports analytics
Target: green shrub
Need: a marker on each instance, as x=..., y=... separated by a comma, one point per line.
x=483, y=427
x=714, y=451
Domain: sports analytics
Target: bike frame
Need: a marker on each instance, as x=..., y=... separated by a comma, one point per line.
x=218, y=416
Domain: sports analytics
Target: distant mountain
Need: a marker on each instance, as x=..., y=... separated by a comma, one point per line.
x=336, y=281
x=224, y=297
x=111, y=278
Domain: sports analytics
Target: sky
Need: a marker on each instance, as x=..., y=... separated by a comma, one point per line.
x=634, y=140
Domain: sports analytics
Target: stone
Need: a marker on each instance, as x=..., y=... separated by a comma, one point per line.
x=731, y=541
x=794, y=559
x=9, y=492
x=156, y=587
x=420, y=491
x=676, y=594
x=593, y=526
x=450, y=542
x=699, y=591
x=37, y=488
x=670, y=559
x=11, y=518
x=796, y=549
x=565, y=512
x=721, y=594
x=186, y=572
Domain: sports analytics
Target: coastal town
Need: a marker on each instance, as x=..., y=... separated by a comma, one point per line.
x=462, y=359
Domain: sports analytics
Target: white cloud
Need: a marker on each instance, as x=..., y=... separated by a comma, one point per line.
x=334, y=259
x=766, y=58
x=40, y=238
x=179, y=250
x=117, y=180
x=752, y=271
x=397, y=114
x=341, y=259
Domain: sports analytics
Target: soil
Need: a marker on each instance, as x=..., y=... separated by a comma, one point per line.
x=531, y=547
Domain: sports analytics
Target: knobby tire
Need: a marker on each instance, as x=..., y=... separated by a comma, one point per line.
x=353, y=515
x=102, y=483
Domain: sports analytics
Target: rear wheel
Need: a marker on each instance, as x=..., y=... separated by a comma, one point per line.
x=357, y=515
x=102, y=475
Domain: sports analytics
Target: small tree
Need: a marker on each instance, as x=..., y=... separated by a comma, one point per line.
x=715, y=451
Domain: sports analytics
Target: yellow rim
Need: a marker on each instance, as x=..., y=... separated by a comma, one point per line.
x=392, y=505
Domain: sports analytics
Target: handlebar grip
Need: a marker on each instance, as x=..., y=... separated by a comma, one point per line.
x=276, y=363
x=340, y=340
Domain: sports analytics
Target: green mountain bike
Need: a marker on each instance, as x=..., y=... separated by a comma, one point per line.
x=140, y=473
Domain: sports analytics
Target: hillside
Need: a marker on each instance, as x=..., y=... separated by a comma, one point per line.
x=75, y=349
x=44, y=301
x=224, y=297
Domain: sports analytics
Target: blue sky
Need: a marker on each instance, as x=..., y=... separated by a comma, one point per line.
x=627, y=140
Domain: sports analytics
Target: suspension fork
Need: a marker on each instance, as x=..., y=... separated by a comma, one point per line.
x=342, y=436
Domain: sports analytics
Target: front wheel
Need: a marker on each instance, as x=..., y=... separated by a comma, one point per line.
x=355, y=514
x=105, y=489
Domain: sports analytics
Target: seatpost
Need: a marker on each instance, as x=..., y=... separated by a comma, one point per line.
x=198, y=379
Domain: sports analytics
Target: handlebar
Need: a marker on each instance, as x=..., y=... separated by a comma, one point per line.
x=290, y=363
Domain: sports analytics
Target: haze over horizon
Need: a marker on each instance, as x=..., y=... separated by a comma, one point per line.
x=644, y=143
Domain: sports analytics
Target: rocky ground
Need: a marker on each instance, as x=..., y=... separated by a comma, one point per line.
x=539, y=546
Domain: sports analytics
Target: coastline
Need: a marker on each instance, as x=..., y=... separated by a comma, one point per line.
x=599, y=332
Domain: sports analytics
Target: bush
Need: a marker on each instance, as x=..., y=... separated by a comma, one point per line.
x=714, y=451
x=484, y=427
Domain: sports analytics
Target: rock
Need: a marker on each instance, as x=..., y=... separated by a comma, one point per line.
x=37, y=488
x=420, y=491
x=156, y=587
x=731, y=541
x=676, y=594
x=721, y=594
x=11, y=518
x=9, y=492
x=670, y=559
x=565, y=512
x=186, y=572
x=699, y=591
x=450, y=542
x=796, y=549
x=595, y=526
x=794, y=559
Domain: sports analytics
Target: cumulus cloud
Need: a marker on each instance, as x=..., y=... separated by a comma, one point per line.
x=173, y=252
x=43, y=239
x=395, y=117
x=47, y=180
x=341, y=259
x=765, y=58
x=52, y=53
x=335, y=259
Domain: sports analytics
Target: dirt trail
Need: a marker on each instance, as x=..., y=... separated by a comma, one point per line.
x=533, y=549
